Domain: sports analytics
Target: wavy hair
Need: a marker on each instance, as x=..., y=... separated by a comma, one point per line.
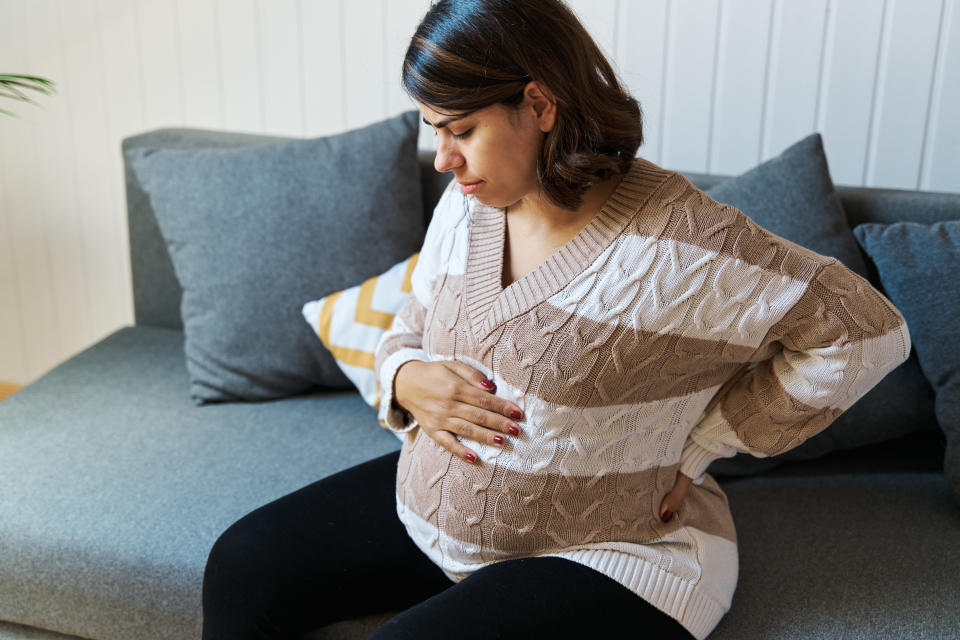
x=470, y=54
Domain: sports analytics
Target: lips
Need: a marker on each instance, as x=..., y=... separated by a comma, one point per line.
x=469, y=187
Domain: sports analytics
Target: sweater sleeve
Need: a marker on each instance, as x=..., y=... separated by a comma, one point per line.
x=838, y=340
x=403, y=341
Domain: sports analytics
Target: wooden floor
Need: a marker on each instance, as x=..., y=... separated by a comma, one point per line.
x=7, y=389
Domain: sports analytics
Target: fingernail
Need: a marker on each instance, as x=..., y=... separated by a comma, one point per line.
x=516, y=414
x=498, y=439
x=666, y=515
x=487, y=384
x=514, y=430
x=472, y=457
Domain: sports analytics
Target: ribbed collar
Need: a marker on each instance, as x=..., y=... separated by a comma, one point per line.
x=489, y=305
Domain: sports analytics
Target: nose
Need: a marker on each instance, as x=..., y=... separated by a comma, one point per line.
x=447, y=158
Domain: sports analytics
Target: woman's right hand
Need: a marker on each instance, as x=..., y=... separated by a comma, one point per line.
x=450, y=397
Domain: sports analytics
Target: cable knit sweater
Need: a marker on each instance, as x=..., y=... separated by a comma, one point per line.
x=670, y=331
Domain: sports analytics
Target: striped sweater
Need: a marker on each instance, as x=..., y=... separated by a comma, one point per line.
x=670, y=331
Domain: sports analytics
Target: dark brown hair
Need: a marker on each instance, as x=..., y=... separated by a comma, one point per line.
x=469, y=54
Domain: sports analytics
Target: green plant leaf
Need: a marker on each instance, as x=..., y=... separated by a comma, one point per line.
x=9, y=82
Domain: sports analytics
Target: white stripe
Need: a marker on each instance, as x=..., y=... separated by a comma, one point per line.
x=689, y=574
x=837, y=376
x=661, y=285
x=454, y=556
x=586, y=441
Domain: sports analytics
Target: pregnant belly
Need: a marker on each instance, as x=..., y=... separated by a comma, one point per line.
x=500, y=509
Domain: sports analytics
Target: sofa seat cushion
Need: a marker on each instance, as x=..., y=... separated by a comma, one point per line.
x=116, y=485
x=860, y=544
x=856, y=545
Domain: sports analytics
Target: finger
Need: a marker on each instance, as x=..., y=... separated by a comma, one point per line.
x=476, y=433
x=446, y=440
x=683, y=482
x=490, y=402
x=484, y=411
x=674, y=500
x=495, y=404
x=471, y=375
x=670, y=505
x=666, y=509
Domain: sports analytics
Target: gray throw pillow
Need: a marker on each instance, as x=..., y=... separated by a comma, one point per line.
x=793, y=196
x=253, y=232
x=918, y=266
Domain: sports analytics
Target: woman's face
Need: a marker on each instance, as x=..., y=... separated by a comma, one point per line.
x=495, y=146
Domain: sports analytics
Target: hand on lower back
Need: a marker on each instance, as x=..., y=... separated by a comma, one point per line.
x=673, y=500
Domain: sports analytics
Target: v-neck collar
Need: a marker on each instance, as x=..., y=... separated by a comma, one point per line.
x=489, y=304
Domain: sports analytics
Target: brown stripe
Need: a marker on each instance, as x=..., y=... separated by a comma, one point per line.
x=681, y=212
x=625, y=366
x=583, y=363
x=838, y=308
x=509, y=512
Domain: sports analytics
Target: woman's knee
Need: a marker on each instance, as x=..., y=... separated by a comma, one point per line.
x=243, y=587
x=231, y=567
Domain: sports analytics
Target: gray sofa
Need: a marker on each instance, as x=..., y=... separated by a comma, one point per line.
x=114, y=485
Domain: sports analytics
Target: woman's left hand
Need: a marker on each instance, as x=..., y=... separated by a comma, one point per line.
x=672, y=501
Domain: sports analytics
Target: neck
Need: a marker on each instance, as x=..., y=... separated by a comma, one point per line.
x=539, y=210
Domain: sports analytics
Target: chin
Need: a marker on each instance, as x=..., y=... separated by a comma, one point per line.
x=487, y=201
x=484, y=201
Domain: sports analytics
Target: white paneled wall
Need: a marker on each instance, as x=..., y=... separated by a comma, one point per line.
x=724, y=84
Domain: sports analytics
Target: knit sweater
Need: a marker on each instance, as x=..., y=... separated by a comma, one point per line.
x=672, y=330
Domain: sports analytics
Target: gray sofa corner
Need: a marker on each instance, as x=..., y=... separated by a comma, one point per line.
x=115, y=485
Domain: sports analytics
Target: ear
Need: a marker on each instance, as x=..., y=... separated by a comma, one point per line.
x=543, y=102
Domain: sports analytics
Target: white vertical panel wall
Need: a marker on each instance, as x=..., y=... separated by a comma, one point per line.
x=724, y=85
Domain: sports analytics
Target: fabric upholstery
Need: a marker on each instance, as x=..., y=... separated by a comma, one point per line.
x=253, y=232
x=115, y=493
x=919, y=266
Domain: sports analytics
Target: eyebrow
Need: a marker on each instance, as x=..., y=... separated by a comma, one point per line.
x=445, y=122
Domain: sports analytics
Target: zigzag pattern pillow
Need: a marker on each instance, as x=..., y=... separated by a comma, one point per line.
x=350, y=323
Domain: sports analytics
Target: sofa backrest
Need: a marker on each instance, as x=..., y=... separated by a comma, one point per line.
x=156, y=292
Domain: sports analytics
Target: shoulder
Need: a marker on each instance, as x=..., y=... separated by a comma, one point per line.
x=699, y=219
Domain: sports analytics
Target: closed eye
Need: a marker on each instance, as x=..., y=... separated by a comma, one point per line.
x=458, y=136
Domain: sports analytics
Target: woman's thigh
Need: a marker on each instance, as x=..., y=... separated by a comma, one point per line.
x=332, y=550
x=544, y=597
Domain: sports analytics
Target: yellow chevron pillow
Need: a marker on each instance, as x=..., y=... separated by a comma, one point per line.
x=350, y=323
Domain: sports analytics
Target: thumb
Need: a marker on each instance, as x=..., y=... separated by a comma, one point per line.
x=672, y=502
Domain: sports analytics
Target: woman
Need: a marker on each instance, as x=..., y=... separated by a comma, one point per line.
x=586, y=333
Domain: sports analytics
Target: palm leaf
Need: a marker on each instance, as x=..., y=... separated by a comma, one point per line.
x=9, y=82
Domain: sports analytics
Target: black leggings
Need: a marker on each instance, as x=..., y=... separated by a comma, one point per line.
x=336, y=549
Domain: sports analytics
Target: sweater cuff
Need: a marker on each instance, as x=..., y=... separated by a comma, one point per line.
x=389, y=414
x=695, y=459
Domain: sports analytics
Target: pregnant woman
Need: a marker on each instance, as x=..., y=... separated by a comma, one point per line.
x=586, y=333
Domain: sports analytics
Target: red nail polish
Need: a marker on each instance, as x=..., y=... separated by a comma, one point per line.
x=472, y=457
x=666, y=515
x=513, y=430
x=487, y=384
x=516, y=414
